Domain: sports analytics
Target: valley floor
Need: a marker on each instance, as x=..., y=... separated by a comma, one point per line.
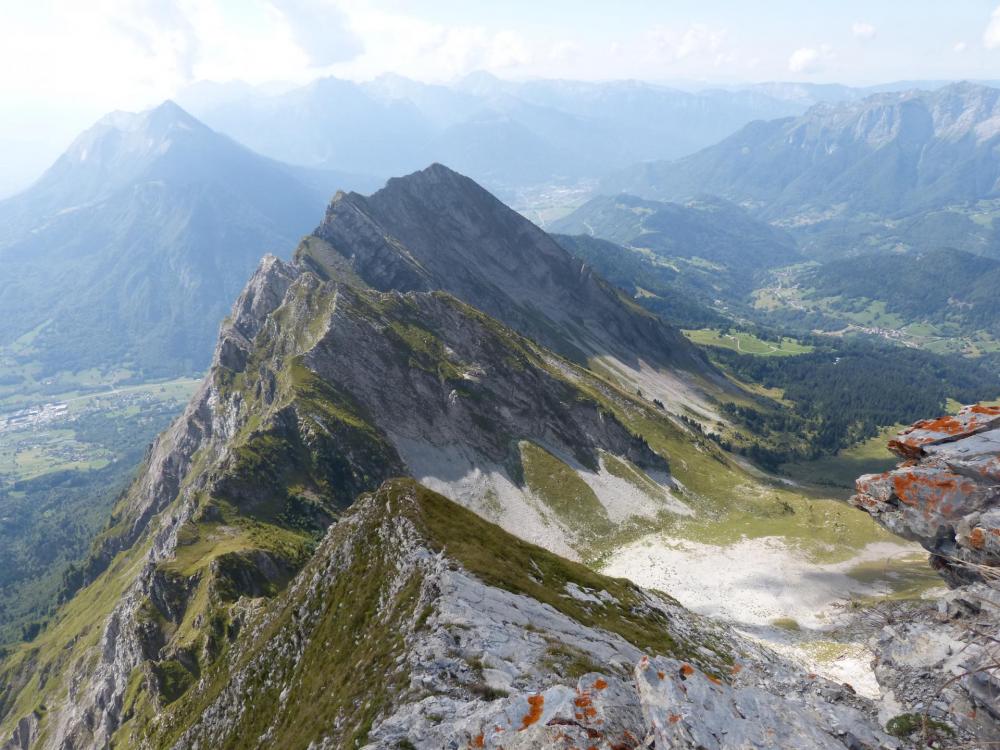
x=775, y=591
x=64, y=456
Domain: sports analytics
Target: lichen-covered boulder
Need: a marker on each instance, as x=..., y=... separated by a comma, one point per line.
x=936, y=666
x=946, y=493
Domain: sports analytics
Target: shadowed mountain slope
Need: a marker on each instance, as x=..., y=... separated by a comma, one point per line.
x=130, y=249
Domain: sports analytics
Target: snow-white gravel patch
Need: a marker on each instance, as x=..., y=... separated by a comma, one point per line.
x=755, y=582
x=752, y=582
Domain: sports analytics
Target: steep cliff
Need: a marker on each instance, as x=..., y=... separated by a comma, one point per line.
x=942, y=662
x=320, y=391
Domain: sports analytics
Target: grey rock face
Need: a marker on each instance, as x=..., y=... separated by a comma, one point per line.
x=438, y=230
x=932, y=663
x=686, y=708
x=24, y=735
x=90, y=713
x=526, y=399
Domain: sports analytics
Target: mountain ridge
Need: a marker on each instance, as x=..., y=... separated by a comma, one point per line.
x=494, y=259
x=901, y=155
x=280, y=439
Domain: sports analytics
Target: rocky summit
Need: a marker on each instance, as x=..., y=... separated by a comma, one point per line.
x=438, y=230
x=940, y=662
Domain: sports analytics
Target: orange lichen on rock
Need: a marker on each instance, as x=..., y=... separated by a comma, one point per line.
x=945, y=496
x=947, y=425
x=929, y=491
x=969, y=421
x=600, y=684
x=674, y=718
x=977, y=539
x=537, y=704
x=662, y=675
x=479, y=740
x=902, y=448
x=993, y=411
x=586, y=706
x=629, y=742
x=686, y=670
x=736, y=669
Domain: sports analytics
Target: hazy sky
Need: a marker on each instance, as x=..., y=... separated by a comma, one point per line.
x=65, y=62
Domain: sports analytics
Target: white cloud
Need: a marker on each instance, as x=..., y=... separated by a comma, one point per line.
x=863, y=30
x=508, y=50
x=991, y=37
x=320, y=28
x=430, y=51
x=960, y=47
x=160, y=29
x=564, y=51
x=808, y=60
x=804, y=60
x=132, y=54
x=697, y=40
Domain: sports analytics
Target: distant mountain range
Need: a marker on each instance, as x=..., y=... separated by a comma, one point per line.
x=502, y=133
x=903, y=170
x=129, y=250
x=505, y=134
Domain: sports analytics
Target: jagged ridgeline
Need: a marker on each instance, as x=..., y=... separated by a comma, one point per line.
x=242, y=596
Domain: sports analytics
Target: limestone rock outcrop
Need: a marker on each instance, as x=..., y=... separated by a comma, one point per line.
x=941, y=662
x=946, y=493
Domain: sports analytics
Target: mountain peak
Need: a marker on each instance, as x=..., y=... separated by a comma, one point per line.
x=437, y=175
x=438, y=230
x=170, y=112
x=157, y=122
x=121, y=142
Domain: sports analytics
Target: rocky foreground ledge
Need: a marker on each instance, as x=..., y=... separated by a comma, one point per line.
x=941, y=666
